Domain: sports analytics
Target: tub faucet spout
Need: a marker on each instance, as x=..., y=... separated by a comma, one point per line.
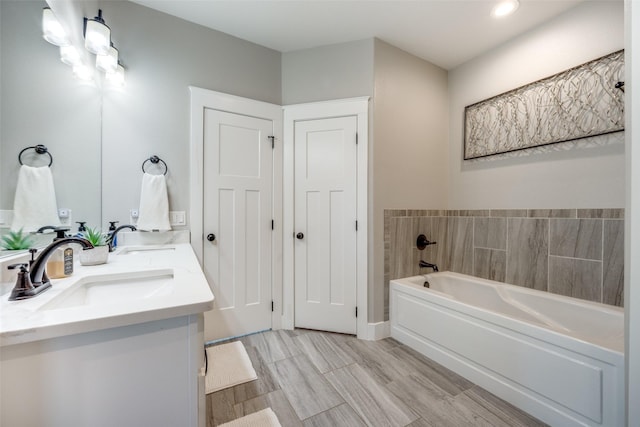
x=424, y=264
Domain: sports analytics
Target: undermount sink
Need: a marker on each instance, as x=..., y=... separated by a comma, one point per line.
x=136, y=250
x=114, y=288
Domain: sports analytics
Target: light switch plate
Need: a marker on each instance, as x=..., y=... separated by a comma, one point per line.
x=177, y=218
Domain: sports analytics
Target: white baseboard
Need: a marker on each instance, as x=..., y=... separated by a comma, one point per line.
x=378, y=331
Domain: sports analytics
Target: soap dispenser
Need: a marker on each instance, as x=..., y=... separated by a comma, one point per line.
x=60, y=262
x=114, y=238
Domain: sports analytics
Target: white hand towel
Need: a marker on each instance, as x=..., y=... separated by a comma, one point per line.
x=34, y=204
x=154, y=204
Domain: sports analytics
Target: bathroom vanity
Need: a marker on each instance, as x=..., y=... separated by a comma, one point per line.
x=114, y=344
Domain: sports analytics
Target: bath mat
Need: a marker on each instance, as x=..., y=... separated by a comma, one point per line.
x=264, y=418
x=229, y=365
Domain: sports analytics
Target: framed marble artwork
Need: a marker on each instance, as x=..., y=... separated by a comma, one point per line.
x=584, y=101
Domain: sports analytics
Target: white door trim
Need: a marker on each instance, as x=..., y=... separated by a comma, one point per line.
x=358, y=107
x=204, y=98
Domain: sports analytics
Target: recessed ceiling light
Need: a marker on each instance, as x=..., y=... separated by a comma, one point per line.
x=505, y=8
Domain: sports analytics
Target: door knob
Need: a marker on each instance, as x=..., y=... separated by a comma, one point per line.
x=299, y=236
x=211, y=237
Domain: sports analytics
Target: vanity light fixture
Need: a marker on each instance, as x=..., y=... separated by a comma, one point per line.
x=52, y=30
x=109, y=62
x=505, y=8
x=97, y=36
x=97, y=40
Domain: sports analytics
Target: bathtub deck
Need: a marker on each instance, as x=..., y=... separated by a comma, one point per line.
x=321, y=379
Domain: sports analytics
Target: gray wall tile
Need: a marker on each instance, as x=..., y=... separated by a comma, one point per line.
x=460, y=240
x=475, y=212
x=527, y=253
x=490, y=264
x=613, y=262
x=441, y=249
x=504, y=213
x=577, y=238
x=552, y=213
x=401, y=229
x=576, y=278
x=490, y=233
x=601, y=213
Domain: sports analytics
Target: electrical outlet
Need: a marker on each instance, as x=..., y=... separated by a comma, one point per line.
x=65, y=216
x=134, y=214
x=177, y=218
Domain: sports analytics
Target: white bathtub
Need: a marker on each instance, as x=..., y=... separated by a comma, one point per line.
x=558, y=358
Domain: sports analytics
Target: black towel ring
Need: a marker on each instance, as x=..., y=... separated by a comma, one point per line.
x=40, y=149
x=155, y=160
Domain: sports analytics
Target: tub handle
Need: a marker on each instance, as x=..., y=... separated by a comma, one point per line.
x=422, y=242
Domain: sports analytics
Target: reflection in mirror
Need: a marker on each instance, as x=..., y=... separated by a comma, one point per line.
x=43, y=103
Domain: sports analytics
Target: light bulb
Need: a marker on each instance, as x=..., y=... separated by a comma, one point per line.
x=97, y=36
x=116, y=77
x=109, y=62
x=52, y=30
x=69, y=55
x=83, y=72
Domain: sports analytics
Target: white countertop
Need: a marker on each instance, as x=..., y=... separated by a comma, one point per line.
x=185, y=291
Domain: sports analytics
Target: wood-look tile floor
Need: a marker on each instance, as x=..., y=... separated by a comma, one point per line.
x=312, y=378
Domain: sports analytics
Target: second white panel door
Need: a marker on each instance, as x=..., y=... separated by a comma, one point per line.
x=325, y=224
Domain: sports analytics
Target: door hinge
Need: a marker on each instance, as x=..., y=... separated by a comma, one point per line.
x=356, y=311
x=356, y=225
x=273, y=141
x=271, y=306
x=273, y=224
x=356, y=138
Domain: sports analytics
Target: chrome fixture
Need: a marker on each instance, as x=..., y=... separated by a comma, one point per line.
x=424, y=264
x=112, y=235
x=422, y=242
x=37, y=268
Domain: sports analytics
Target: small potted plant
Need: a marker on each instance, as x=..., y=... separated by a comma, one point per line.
x=16, y=240
x=100, y=252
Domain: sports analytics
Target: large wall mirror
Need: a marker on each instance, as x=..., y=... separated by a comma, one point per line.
x=43, y=103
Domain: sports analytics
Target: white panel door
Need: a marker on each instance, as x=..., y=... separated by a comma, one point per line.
x=237, y=216
x=325, y=224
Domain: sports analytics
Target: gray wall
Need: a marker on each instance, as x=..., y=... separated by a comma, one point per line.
x=408, y=164
x=328, y=72
x=163, y=55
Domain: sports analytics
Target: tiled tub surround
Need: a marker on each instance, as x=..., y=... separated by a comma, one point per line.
x=574, y=252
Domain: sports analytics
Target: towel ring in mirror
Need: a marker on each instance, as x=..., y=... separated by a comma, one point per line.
x=155, y=160
x=39, y=149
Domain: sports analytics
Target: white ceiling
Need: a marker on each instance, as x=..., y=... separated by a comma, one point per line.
x=444, y=32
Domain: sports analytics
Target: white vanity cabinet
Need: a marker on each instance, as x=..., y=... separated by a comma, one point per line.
x=145, y=374
x=68, y=361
